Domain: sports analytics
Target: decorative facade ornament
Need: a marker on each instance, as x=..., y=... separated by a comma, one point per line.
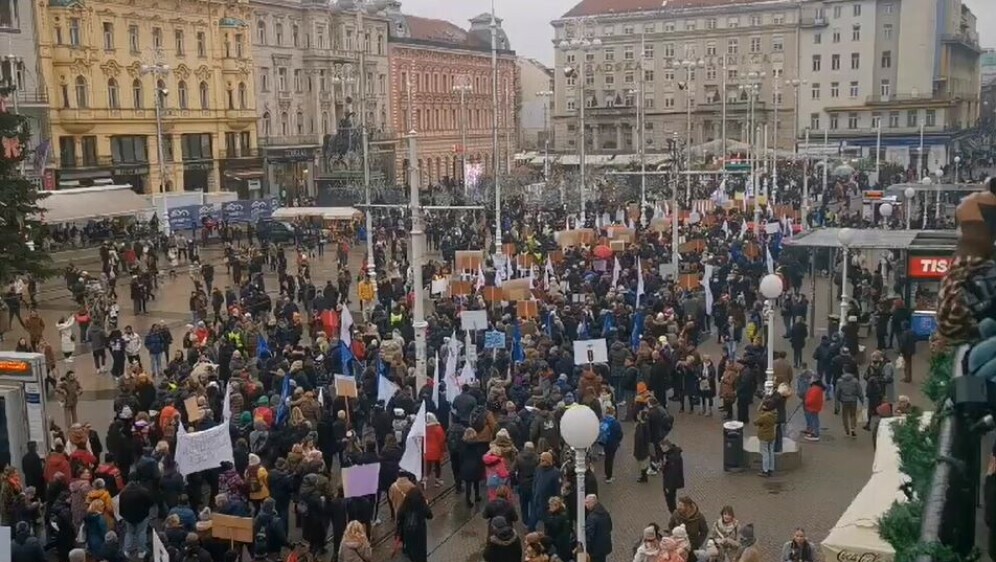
x=182, y=71
x=203, y=72
x=111, y=68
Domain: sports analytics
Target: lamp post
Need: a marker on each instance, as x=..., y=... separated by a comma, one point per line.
x=581, y=43
x=957, y=177
x=910, y=194
x=545, y=95
x=845, y=236
x=579, y=428
x=771, y=289
x=805, y=183
x=463, y=87
x=641, y=133
x=937, y=207
x=886, y=210
x=878, y=151
x=925, y=181
x=795, y=83
x=159, y=71
x=752, y=88
x=919, y=155
x=689, y=66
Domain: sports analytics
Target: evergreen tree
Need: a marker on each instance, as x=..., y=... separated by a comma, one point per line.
x=21, y=212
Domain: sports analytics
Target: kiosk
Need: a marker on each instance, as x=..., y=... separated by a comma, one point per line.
x=23, y=412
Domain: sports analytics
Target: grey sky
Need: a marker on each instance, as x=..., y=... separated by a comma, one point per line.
x=527, y=22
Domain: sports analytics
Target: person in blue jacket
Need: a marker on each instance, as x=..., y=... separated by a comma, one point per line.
x=610, y=436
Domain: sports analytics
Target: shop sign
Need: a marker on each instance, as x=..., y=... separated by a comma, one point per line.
x=929, y=267
x=15, y=367
x=290, y=154
x=138, y=170
x=198, y=165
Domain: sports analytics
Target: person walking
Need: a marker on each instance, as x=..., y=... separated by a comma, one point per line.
x=672, y=474
x=526, y=463
x=597, y=529
x=811, y=408
x=848, y=395
x=907, y=347
x=610, y=436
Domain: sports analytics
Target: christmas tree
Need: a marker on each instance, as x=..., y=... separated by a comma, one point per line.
x=21, y=229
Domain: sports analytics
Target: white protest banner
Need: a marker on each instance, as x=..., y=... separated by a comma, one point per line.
x=360, y=480
x=159, y=552
x=203, y=450
x=590, y=351
x=473, y=320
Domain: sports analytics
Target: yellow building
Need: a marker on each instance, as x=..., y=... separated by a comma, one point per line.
x=123, y=73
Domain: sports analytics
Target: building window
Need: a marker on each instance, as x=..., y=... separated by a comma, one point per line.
x=204, y=95
x=299, y=121
x=201, y=44
x=817, y=38
x=113, y=94
x=239, y=46
x=668, y=75
x=136, y=94
x=668, y=50
x=778, y=19
x=834, y=89
x=571, y=104
x=648, y=101
x=74, y=32
x=157, y=37
x=857, y=10
x=833, y=121
x=886, y=59
x=887, y=31
x=648, y=52
x=889, y=7
x=930, y=118
x=817, y=62
x=856, y=32
x=650, y=28
x=912, y=117
x=777, y=43
x=181, y=95
x=295, y=35
x=814, y=121
x=628, y=30
x=161, y=93
x=876, y=120
x=610, y=79
x=281, y=79
x=732, y=46
x=690, y=25
x=835, y=36
x=855, y=61
x=178, y=40
x=243, y=96
x=283, y=124
x=128, y=149
x=731, y=74
x=837, y=11
x=893, y=119
x=108, y=36
x=67, y=152
x=629, y=78
x=648, y=75
x=711, y=73
x=134, y=44
x=755, y=44
x=81, y=97
x=834, y=62
x=854, y=89
x=261, y=32
x=88, y=150
x=325, y=122
x=816, y=91
x=196, y=146
x=886, y=88
x=278, y=34
x=755, y=20
x=264, y=79
x=267, y=124
x=669, y=101
x=852, y=120
x=628, y=53
x=609, y=55
x=711, y=49
x=711, y=23
x=733, y=22
x=9, y=15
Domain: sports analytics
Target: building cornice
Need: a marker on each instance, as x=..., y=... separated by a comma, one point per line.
x=680, y=13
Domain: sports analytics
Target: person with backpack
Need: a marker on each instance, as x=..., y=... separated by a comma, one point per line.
x=454, y=446
x=610, y=436
x=268, y=533
x=257, y=482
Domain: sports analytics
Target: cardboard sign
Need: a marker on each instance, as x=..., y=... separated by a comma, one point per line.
x=697, y=245
x=516, y=290
x=360, y=480
x=494, y=339
x=460, y=288
x=203, y=450
x=508, y=249
x=576, y=237
x=345, y=386
x=527, y=309
x=473, y=320
x=556, y=257
x=492, y=295
x=525, y=261
x=468, y=259
x=689, y=281
x=633, y=212
x=194, y=412
x=590, y=351
x=660, y=225
x=440, y=285
x=618, y=245
x=229, y=528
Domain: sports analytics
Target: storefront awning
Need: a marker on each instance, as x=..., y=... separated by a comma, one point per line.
x=70, y=205
x=247, y=174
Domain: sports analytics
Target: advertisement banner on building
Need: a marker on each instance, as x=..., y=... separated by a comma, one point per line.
x=261, y=209
x=211, y=211
x=236, y=211
x=929, y=267
x=184, y=218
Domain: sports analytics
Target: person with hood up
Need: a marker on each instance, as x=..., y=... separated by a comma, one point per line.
x=412, y=526
x=504, y=544
x=688, y=515
x=257, y=481
x=496, y=474
x=672, y=473
x=435, y=444
x=767, y=419
x=24, y=547
x=849, y=393
x=355, y=546
x=267, y=531
x=649, y=549
x=748, y=545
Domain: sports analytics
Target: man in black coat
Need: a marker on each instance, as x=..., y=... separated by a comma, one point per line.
x=672, y=474
x=33, y=468
x=135, y=505
x=597, y=529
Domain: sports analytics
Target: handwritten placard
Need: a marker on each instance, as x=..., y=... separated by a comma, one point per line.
x=203, y=450
x=345, y=386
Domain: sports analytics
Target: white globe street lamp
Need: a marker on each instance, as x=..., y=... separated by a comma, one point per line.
x=579, y=428
x=771, y=289
x=910, y=194
x=845, y=236
x=886, y=210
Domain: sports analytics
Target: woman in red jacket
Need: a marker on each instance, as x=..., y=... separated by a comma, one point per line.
x=435, y=444
x=812, y=406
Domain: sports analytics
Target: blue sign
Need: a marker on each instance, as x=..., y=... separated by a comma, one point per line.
x=924, y=324
x=261, y=209
x=494, y=340
x=184, y=218
x=236, y=211
x=208, y=211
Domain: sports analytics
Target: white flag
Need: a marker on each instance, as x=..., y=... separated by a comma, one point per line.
x=743, y=229
x=771, y=262
x=226, y=405
x=726, y=228
x=707, y=284
x=480, y=278
x=321, y=396
x=549, y=274
x=411, y=460
x=639, y=281
x=435, y=382
x=616, y=271
x=467, y=375
x=346, y=322
x=385, y=389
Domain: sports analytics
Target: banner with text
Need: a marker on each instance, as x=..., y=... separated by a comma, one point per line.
x=184, y=218
x=203, y=450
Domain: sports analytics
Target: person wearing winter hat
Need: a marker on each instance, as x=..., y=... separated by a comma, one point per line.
x=257, y=481
x=650, y=549
x=504, y=545
x=748, y=545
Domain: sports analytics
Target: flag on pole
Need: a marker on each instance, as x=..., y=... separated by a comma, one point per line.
x=549, y=274
x=480, y=278
x=637, y=335
x=726, y=228
x=771, y=262
x=435, y=381
x=321, y=396
x=467, y=374
x=743, y=229
x=639, y=281
x=347, y=358
x=411, y=460
x=226, y=406
x=283, y=409
x=346, y=322
x=616, y=271
x=385, y=389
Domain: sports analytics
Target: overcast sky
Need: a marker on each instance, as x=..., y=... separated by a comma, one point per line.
x=527, y=22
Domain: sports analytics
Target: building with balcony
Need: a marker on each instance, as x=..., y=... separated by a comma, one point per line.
x=123, y=74
x=536, y=93
x=909, y=69
x=432, y=61
x=617, y=50
x=315, y=62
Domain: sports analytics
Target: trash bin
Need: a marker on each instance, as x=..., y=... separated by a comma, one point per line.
x=733, y=446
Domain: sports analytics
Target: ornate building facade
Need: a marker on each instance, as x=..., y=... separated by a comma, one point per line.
x=154, y=93
x=441, y=87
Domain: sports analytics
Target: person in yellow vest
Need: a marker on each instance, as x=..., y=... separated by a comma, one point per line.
x=367, y=291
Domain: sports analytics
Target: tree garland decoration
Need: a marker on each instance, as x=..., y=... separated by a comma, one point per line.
x=917, y=444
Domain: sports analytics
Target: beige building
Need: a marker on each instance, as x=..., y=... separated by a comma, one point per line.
x=315, y=65
x=536, y=95
x=909, y=69
x=619, y=49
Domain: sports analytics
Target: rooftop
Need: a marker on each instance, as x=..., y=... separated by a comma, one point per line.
x=601, y=7
x=439, y=31
x=868, y=239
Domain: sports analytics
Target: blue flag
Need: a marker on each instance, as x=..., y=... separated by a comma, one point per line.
x=263, y=349
x=518, y=354
x=549, y=324
x=583, y=332
x=283, y=410
x=608, y=325
x=637, y=335
x=382, y=368
x=346, y=356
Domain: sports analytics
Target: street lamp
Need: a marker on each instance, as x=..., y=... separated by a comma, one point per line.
x=545, y=95
x=159, y=71
x=579, y=428
x=885, y=209
x=752, y=88
x=795, y=83
x=689, y=66
x=463, y=87
x=937, y=209
x=910, y=194
x=845, y=236
x=771, y=289
x=581, y=43
x=957, y=161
